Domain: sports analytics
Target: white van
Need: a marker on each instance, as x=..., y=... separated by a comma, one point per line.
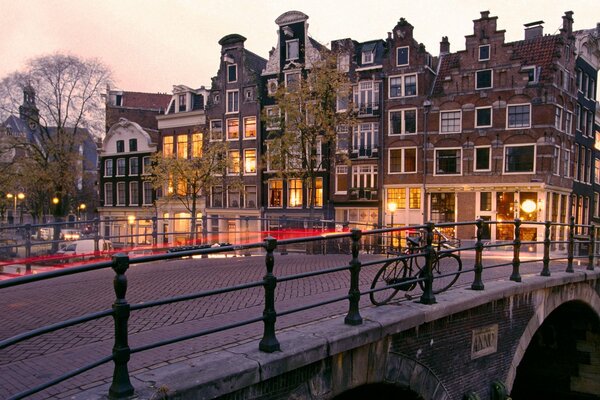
x=84, y=248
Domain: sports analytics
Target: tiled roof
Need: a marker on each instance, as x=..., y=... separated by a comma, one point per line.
x=152, y=101
x=539, y=52
x=448, y=62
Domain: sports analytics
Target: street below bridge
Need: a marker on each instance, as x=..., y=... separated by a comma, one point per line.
x=34, y=305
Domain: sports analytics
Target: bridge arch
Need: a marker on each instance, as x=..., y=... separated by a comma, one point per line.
x=563, y=319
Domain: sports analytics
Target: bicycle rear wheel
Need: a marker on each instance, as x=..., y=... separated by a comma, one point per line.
x=391, y=273
x=445, y=270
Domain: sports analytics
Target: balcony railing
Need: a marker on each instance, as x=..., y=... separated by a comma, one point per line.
x=363, y=193
x=352, y=243
x=367, y=109
x=364, y=152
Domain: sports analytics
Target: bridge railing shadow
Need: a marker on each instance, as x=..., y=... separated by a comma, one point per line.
x=383, y=241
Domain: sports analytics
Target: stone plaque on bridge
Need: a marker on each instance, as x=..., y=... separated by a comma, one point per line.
x=484, y=341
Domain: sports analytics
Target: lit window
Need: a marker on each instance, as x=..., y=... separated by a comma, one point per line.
x=250, y=161
x=196, y=145
x=182, y=146
x=398, y=196
x=341, y=179
x=276, y=193
x=318, y=199
x=295, y=193
x=233, y=129
x=233, y=166
x=250, y=127
x=168, y=146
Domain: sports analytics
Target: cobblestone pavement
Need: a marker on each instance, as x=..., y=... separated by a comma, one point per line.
x=40, y=359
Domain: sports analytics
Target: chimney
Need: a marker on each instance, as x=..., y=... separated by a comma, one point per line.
x=567, y=23
x=444, y=45
x=485, y=14
x=534, y=30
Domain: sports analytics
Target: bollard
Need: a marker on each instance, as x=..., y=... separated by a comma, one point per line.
x=477, y=282
x=428, y=297
x=571, y=247
x=546, y=269
x=591, y=250
x=353, y=317
x=121, y=385
x=516, y=276
x=269, y=342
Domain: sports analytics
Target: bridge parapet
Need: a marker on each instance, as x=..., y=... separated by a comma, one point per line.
x=321, y=360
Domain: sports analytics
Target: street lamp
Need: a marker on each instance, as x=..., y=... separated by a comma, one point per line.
x=80, y=209
x=426, y=108
x=131, y=221
x=15, y=197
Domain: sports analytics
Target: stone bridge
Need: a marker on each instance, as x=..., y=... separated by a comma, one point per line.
x=539, y=338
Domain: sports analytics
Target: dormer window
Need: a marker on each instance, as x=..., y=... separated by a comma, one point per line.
x=231, y=73
x=402, y=56
x=292, y=48
x=531, y=72
x=182, y=102
x=484, y=52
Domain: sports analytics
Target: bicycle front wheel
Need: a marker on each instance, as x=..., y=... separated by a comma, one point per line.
x=445, y=270
x=391, y=273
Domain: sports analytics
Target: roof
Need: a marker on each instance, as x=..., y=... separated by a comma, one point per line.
x=153, y=101
x=539, y=51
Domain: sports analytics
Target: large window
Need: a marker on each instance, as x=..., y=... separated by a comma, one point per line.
x=366, y=97
x=233, y=129
x=217, y=196
x=134, y=193
x=403, y=160
x=120, y=146
x=196, y=145
x=168, y=146
x=108, y=194
x=233, y=197
x=448, y=161
x=216, y=129
x=519, y=159
x=443, y=207
x=483, y=79
x=341, y=179
x=120, y=167
x=519, y=116
x=276, y=193
x=295, y=193
x=133, y=144
x=292, y=49
x=250, y=161
x=365, y=139
x=120, y=193
x=483, y=158
x=108, y=167
x=146, y=163
x=147, y=193
x=483, y=117
x=134, y=166
x=250, y=196
x=232, y=73
x=364, y=176
x=233, y=101
x=402, y=56
x=182, y=147
x=450, y=121
x=249, y=127
x=403, y=122
x=318, y=196
x=403, y=86
x=233, y=162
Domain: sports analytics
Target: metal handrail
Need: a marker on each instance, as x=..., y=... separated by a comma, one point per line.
x=121, y=386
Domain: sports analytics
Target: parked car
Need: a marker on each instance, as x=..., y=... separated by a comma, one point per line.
x=84, y=249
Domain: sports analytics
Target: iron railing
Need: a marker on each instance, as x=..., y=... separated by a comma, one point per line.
x=121, y=386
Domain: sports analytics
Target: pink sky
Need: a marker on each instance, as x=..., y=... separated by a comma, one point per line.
x=151, y=45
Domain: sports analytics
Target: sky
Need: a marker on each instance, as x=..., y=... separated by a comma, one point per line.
x=151, y=45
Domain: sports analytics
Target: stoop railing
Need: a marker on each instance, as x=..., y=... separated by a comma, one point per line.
x=121, y=386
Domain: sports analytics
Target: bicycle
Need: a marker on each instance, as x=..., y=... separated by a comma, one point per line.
x=397, y=274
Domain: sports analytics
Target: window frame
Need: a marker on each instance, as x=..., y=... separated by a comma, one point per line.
x=231, y=67
x=121, y=190
x=403, y=169
x=269, y=193
x=233, y=162
x=403, y=78
x=491, y=71
x=398, y=56
x=402, y=112
x=504, y=159
x=108, y=189
x=489, y=52
x=212, y=131
x=234, y=107
x=246, y=137
x=299, y=190
x=131, y=164
x=122, y=168
x=475, y=158
x=134, y=200
x=108, y=165
x=147, y=187
x=287, y=49
x=458, y=157
x=442, y=131
x=508, y=108
x=491, y=117
x=245, y=161
x=339, y=171
x=227, y=131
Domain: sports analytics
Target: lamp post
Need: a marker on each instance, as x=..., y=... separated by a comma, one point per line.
x=131, y=221
x=426, y=108
x=80, y=209
x=15, y=197
x=392, y=207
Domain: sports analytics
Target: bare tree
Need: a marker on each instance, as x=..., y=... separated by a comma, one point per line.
x=308, y=122
x=59, y=98
x=185, y=179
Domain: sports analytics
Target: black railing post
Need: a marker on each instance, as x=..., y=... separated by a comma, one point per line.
x=571, y=245
x=96, y=234
x=154, y=231
x=477, y=282
x=28, y=249
x=121, y=385
x=428, y=297
x=516, y=276
x=353, y=317
x=546, y=269
x=269, y=342
x=591, y=250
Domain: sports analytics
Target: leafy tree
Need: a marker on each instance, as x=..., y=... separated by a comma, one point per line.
x=185, y=179
x=308, y=123
x=64, y=94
